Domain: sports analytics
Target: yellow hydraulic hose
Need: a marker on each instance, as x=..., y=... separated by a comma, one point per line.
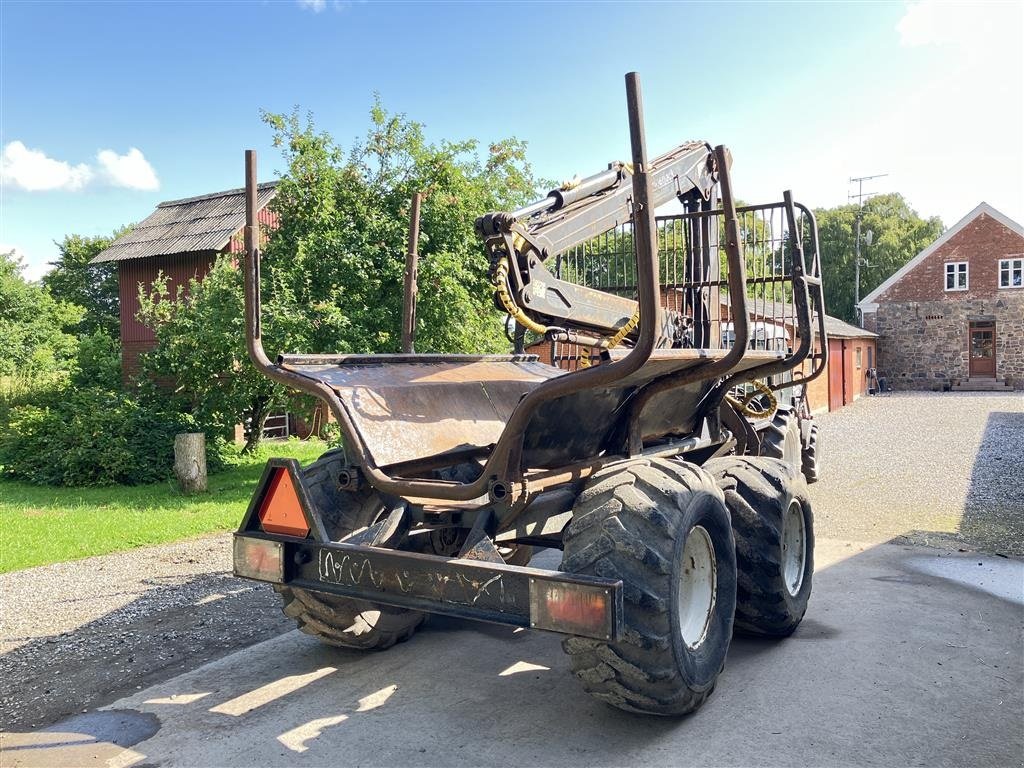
x=743, y=406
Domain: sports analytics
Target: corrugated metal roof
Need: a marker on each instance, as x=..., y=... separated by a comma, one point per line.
x=843, y=330
x=203, y=223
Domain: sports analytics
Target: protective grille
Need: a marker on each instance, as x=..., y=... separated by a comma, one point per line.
x=693, y=271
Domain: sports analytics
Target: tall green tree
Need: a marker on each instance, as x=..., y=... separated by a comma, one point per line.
x=33, y=325
x=898, y=234
x=335, y=264
x=91, y=286
x=332, y=274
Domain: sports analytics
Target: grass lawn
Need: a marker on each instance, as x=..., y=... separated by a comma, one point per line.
x=41, y=525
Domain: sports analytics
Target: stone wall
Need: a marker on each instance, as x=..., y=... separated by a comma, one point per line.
x=924, y=344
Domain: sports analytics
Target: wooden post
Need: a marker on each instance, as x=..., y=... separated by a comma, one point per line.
x=190, y=461
x=409, y=296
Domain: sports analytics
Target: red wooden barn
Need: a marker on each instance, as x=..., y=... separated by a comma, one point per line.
x=182, y=239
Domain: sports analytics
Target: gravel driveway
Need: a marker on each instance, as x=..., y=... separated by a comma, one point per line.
x=938, y=469
x=81, y=634
x=931, y=468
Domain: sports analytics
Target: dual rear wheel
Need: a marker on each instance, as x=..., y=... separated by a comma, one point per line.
x=698, y=550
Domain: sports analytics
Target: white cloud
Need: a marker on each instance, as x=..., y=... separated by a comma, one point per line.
x=33, y=171
x=313, y=5
x=979, y=25
x=130, y=170
x=32, y=269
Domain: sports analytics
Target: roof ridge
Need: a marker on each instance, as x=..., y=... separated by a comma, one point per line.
x=211, y=195
x=869, y=303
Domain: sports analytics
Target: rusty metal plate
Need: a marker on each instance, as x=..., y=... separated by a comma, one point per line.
x=413, y=410
x=666, y=361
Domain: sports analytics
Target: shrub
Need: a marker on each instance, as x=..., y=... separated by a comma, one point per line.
x=99, y=361
x=93, y=436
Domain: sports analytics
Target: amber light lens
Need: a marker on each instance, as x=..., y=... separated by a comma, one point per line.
x=259, y=559
x=570, y=608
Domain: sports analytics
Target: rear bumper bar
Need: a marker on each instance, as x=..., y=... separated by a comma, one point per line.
x=486, y=591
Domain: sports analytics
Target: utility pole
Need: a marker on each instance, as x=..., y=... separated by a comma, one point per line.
x=859, y=181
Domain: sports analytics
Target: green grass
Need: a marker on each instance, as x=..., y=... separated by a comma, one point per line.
x=41, y=525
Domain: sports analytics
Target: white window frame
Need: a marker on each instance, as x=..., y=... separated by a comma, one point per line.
x=956, y=273
x=1009, y=261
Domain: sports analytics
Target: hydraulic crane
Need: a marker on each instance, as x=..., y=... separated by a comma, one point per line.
x=523, y=242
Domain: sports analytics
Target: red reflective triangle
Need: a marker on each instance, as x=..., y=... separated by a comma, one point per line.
x=280, y=511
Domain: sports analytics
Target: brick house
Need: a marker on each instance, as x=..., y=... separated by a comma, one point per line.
x=953, y=316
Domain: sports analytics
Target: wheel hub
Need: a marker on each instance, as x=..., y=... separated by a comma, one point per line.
x=698, y=586
x=794, y=548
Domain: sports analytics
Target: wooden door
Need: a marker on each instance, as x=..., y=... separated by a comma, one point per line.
x=983, y=350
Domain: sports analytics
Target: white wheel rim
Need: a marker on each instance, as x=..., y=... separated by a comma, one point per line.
x=794, y=548
x=698, y=586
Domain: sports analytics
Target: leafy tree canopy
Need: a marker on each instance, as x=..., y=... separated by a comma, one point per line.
x=335, y=264
x=898, y=234
x=91, y=286
x=33, y=324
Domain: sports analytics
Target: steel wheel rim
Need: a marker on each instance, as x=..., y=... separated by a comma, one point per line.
x=794, y=548
x=698, y=586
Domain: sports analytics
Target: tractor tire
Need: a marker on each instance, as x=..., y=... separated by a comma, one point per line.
x=773, y=525
x=811, y=462
x=663, y=529
x=781, y=439
x=341, y=621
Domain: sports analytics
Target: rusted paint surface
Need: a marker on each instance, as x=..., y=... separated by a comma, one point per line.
x=406, y=411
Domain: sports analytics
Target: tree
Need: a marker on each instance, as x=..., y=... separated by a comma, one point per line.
x=335, y=263
x=91, y=286
x=201, y=348
x=33, y=337
x=899, y=234
x=332, y=275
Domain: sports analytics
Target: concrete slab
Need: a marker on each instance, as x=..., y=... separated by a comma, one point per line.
x=903, y=659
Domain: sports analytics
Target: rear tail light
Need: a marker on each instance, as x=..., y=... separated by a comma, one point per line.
x=259, y=559
x=575, y=609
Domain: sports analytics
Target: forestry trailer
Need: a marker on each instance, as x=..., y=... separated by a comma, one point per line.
x=669, y=465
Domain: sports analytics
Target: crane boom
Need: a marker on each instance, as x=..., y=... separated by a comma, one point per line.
x=519, y=242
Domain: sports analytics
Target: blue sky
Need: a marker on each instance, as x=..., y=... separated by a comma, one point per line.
x=109, y=108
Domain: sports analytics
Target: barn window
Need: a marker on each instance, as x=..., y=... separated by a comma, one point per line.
x=1011, y=273
x=871, y=357
x=857, y=353
x=956, y=276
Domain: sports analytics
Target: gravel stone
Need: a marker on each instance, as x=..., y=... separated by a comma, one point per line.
x=941, y=469
x=77, y=635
